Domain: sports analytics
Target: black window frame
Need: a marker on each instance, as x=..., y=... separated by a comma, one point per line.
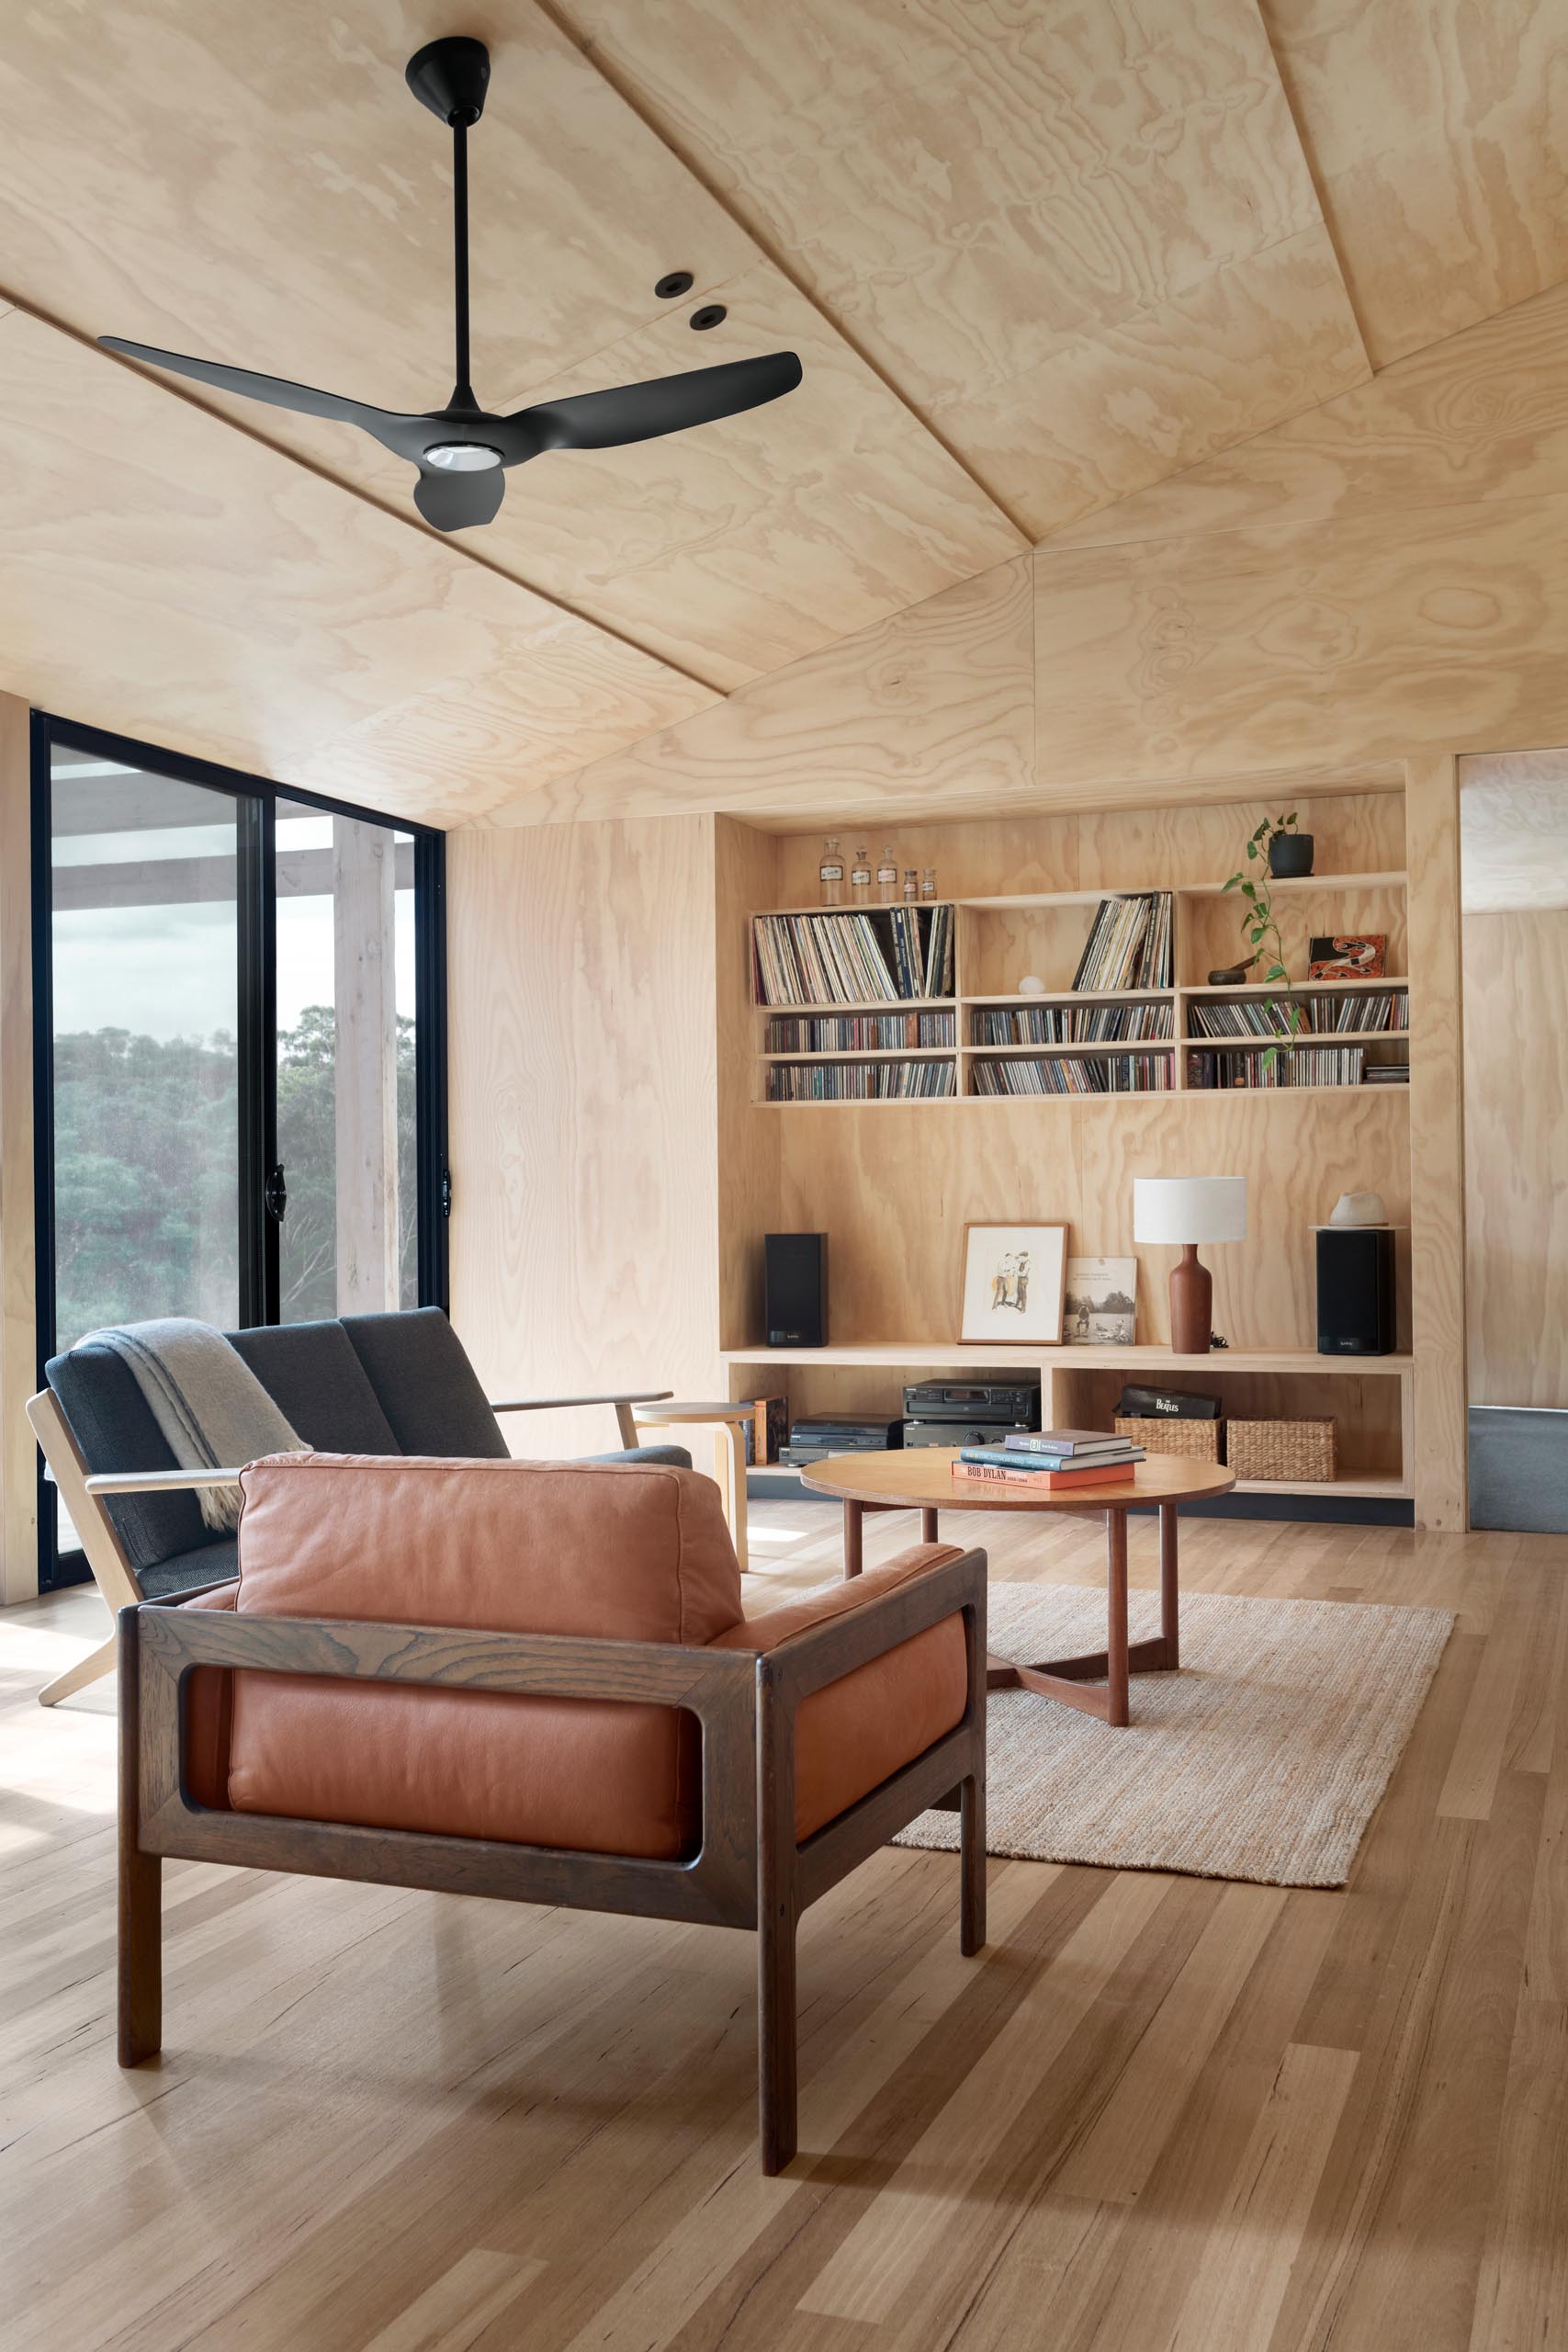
x=255, y=797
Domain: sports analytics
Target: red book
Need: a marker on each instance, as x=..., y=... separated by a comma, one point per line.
x=1053, y=1481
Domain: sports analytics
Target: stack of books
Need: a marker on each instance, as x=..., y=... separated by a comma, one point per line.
x=1053, y=1461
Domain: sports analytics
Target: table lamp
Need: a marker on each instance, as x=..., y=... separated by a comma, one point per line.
x=1186, y=1210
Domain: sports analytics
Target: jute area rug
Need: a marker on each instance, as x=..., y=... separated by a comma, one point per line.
x=1264, y=1759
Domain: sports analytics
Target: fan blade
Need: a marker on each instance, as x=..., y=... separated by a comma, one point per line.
x=667, y=404
x=406, y=435
x=453, y=502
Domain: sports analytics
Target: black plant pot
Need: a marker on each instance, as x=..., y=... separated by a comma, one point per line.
x=1289, y=856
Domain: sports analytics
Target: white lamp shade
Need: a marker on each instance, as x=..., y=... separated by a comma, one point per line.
x=1188, y=1208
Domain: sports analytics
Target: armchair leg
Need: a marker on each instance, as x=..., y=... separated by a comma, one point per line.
x=776, y=2081
x=91, y=1668
x=972, y=1866
x=141, y=1883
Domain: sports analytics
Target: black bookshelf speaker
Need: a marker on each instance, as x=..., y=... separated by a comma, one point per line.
x=794, y=1289
x=1355, y=1290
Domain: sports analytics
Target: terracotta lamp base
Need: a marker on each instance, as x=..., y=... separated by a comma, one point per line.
x=1191, y=1304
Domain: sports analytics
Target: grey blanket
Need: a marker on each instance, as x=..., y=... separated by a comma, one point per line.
x=206, y=1401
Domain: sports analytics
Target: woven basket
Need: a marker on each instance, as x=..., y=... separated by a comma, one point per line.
x=1174, y=1433
x=1300, y=1450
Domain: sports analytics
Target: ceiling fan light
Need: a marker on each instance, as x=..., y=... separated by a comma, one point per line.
x=462, y=456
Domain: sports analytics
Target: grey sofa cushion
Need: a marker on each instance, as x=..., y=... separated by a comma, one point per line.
x=114, y=1431
x=214, y=1563
x=426, y=1384
x=313, y=1377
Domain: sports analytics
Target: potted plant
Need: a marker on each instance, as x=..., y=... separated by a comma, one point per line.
x=1289, y=853
x=1259, y=923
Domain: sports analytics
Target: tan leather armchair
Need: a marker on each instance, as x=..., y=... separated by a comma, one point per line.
x=534, y=1680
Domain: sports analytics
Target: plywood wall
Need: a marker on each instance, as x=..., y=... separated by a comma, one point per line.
x=1516, y=1059
x=583, y=1114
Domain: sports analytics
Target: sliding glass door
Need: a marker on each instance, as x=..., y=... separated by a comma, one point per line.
x=347, y=1123
x=239, y=1054
x=145, y=988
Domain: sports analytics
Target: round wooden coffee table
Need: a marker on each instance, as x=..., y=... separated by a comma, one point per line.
x=922, y=1480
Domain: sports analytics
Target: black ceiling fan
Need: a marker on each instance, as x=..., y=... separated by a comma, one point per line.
x=462, y=451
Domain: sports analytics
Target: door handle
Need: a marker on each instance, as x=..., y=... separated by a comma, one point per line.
x=275, y=1195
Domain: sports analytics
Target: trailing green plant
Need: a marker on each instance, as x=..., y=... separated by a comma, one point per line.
x=1258, y=920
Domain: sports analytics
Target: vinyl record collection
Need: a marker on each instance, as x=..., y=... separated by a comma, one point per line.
x=885, y=957
x=1129, y=944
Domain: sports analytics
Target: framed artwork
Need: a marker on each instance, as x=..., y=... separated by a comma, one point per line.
x=1013, y=1278
x=1101, y=1303
x=1352, y=957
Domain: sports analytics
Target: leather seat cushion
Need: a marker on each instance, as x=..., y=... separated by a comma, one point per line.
x=628, y=1552
x=856, y=1733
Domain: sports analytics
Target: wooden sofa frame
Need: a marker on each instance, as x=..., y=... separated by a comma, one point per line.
x=749, y=1871
x=83, y=1494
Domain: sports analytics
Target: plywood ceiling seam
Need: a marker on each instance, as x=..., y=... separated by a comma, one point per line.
x=406, y=516
x=1320, y=192
x=775, y=253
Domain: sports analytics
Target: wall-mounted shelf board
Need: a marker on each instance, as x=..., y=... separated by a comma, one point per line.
x=963, y=1354
x=1293, y=987
x=1293, y=883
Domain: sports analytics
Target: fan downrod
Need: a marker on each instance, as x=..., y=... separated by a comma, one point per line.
x=450, y=76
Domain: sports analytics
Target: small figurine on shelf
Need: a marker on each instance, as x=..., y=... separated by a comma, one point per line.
x=911, y=888
x=928, y=883
x=888, y=877
x=831, y=873
x=860, y=878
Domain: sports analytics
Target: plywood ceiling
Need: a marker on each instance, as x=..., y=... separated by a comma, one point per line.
x=1035, y=257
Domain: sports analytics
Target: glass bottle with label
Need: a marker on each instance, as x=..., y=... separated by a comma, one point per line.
x=888, y=877
x=928, y=883
x=831, y=873
x=911, y=888
x=860, y=878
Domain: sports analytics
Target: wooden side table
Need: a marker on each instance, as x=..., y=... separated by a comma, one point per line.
x=728, y=1422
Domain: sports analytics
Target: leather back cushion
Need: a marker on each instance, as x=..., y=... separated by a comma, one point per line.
x=623, y=1551
x=426, y=1387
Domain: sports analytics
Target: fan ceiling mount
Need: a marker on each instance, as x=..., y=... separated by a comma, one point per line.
x=462, y=451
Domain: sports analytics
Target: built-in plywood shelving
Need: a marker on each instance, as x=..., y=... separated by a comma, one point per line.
x=1044, y=933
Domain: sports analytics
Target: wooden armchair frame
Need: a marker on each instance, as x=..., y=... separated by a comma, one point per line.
x=83, y=1494
x=749, y=1869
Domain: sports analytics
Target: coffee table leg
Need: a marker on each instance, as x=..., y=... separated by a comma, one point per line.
x=1170, y=1605
x=853, y=1549
x=1117, y=1711
x=928, y=1527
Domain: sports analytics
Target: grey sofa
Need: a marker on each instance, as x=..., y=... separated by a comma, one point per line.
x=369, y=1384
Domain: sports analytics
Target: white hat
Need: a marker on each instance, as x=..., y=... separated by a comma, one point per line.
x=1359, y=1208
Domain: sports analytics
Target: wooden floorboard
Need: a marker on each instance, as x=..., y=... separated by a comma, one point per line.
x=1158, y=2115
